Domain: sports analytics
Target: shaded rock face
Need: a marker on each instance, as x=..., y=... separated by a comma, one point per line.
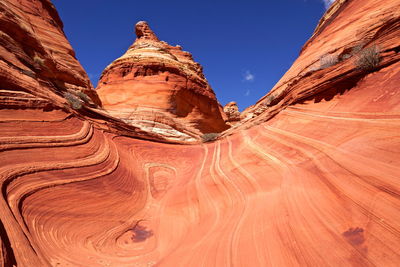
x=153, y=77
x=232, y=112
x=311, y=180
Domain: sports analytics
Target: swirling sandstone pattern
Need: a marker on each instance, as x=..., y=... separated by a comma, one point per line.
x=312, y=179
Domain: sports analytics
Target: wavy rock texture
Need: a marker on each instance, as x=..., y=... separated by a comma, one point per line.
x=311, y=180
x=156, y=82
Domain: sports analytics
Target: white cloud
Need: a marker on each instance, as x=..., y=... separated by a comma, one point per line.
x=248, y=76
x=247, y=92
x=328, y=3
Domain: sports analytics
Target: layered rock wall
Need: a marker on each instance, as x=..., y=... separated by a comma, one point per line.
x=154, y=77
x=35, y=56
x=327, y=64
x=232, y=112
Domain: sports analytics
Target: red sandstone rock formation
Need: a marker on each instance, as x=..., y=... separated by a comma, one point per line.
x=232, y=112
x=343, y=33
x=311, y=180
x=156, y=82
x=35, y=55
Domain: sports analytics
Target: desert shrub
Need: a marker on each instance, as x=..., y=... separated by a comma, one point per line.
x=38, y=60
x=327, y=61
x=73, y=101
x=208, y=137
x=346, y=56
x=83, y=96
x=368, y=58
x=357, y=49
x=268, y=101
x=314, y=68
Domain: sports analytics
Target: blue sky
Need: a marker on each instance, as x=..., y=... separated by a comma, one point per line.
x=244, y=46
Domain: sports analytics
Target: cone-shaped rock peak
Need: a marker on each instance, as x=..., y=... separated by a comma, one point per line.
x=143, y=31
x=154, y=78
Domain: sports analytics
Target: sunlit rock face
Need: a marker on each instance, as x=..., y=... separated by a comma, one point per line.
x=310, y=178
x=327, y=63
x=153, y=77
x=232, y=112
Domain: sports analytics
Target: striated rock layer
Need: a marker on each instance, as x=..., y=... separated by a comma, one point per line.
x=35, y=56
x=327, y=64
x=309, y=178
x=232, y=112
x=153, y=77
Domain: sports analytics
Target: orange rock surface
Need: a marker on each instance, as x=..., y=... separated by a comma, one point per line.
x=36, y=58
x=310, y=177
x=154, y=78
x=232, y=112
x=344, y=32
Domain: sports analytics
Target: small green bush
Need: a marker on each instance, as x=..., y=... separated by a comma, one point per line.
x=83, y=96
x=327, y=61
x=357, y=49
x=268, y=101
x=208, y=137
x=368, y=58
x=73, y=100
x=346, y=56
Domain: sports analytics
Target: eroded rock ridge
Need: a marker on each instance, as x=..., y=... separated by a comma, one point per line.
x=161, y=88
